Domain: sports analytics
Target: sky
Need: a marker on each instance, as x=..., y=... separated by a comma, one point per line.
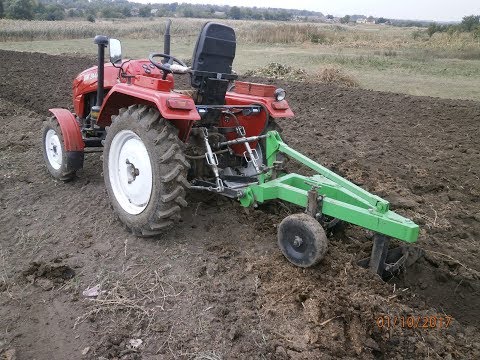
x=440, y=10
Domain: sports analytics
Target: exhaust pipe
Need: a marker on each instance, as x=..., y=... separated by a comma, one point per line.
x=166, y=41
x=102, y=42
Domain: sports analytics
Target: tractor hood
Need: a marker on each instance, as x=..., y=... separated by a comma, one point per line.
x=86, y=81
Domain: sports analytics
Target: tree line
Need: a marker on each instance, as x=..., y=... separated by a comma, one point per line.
x=61, y=9
x=469, y=23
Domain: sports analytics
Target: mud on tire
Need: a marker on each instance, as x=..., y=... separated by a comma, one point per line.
x=168, y=169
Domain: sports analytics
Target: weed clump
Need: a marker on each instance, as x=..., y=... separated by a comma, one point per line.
x=337, y=77
x=285, y=72
x=279, y=71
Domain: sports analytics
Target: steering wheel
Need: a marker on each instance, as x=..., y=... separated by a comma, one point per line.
x=166, y=67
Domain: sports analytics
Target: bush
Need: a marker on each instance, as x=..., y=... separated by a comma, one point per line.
x=336, y=77
x=345, y=19
x=112, y=13
x=432, y=29
x=21, y=9
x=54, y=13
x=145, y=11
x=476, y=32
x=318, y=38
x=91, y=18
x=390, y=53
x=470, y=23
x=279, y=71
x=417, y=34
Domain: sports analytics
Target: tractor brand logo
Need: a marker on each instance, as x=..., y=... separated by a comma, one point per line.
x=90, y=76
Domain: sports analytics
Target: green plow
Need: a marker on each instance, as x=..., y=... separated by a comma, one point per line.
x=327, y=195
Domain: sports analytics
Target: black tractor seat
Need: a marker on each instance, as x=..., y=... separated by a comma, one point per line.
x=211, y=70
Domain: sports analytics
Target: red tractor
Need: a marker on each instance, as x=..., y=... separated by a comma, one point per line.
x=156, y=138
x=218, y=136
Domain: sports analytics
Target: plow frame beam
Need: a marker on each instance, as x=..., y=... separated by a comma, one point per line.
x=340, y=198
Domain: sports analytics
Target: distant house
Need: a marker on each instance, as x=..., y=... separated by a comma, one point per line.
x=154, y=11
x=370, y=20
x=219, y=14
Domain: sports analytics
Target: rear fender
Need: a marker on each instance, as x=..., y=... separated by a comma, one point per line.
x=276, y=109
x=178, y=108
x=72, y=136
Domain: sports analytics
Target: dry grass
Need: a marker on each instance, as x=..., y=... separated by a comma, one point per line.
x=133, y=299
x=260, y=32
x=18, y=30
x=207, y=356
x=377, y=57
x=337, y=77
x=285, y=33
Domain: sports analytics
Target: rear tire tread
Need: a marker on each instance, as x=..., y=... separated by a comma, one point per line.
x=173, y=165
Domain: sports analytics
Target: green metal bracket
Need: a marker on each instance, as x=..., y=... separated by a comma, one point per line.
x=341, y=198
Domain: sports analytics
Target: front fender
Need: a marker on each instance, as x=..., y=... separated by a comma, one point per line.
x=72, y=136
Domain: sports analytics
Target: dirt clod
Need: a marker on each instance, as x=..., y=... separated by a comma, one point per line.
x=48, y=274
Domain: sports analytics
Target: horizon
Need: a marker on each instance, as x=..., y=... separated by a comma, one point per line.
x=428, y=10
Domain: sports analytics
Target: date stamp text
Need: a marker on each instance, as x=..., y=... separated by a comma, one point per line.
x=414, y=322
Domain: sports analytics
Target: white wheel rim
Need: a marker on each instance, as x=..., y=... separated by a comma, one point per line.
x=53, y=148
x=130, y=172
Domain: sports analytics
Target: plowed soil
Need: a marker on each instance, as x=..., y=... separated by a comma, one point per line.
x=216, y=286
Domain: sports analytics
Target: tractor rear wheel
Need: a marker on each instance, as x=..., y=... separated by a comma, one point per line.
x=61, y=164
x=145, y=170
x=302, y=240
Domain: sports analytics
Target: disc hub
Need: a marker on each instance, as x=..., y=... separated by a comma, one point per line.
x=130, y=172
x=298, y=241
x=53, y=149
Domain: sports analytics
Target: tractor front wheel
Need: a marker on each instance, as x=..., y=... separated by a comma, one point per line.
x=145, y=170
x=302, y=240
x=61, y=164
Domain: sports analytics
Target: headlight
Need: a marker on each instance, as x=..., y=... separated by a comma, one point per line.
x=279, y=94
